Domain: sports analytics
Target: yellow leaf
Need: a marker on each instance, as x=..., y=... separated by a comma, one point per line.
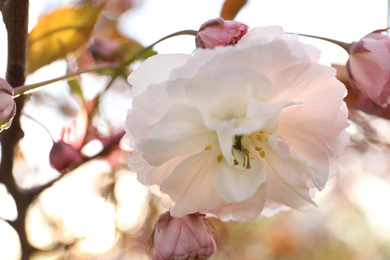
x=231, y=8
x=59, y=33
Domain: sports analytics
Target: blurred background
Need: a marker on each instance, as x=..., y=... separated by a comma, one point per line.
x=100, y=211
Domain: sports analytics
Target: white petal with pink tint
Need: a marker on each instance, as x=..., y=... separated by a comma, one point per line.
x=231, y=130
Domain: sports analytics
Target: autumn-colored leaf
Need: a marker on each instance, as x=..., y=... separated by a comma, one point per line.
x=231, y=8
x=59, y=33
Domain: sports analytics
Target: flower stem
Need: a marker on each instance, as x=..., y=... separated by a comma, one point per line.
x=138, y=54
x=25, y=89
x=343, y=45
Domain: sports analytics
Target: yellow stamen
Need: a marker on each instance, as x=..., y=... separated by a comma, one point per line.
x=258, y=148
x=262, y=154
x=234, y=142
x=261, y=131
x=259, y=137
x=250, y=135
x=219, y=157
x=209, y=147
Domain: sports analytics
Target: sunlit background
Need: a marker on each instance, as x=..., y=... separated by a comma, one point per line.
x=105, y=214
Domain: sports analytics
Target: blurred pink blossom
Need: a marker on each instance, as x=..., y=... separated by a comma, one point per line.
x=66, y=152
x=104, y=49
x=218, y=32
x=63, y=155
x=229, y=130
x=7, y=104
x=368, y=66
x=189, y=237
x=75, y=133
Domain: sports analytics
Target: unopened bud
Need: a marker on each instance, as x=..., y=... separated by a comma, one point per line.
x=7, y=104
x=104, y=50
x=218, y=32
x=63, y=155
x=189, y=237
x=368, y=67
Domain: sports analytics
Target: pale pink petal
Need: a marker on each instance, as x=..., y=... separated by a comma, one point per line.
x=268, y=87
x=191, y=185
x=315, y=157
x=266, y=115
x=335, y=138
x=146, y=75
x=148, y=174
x=370, y=65
x=186, y=135
x=288, y=180
x=151, y=107
x=227, y=89
x=308, y=85
x=234, y=185
x=243, y=210
x=225, y=138
x=279, y=146
x=368, y=75
x=261, y=35
x=272, y=207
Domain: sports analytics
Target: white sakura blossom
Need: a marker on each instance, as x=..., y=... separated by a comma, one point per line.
x=229, y=130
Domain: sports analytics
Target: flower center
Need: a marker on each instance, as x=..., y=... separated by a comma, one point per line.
x=247, y=147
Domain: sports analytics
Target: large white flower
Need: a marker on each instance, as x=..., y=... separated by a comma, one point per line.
x=229, y=130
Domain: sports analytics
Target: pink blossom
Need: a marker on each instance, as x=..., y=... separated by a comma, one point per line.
x=7, y=104
x=218, y=32
x=189, y=237
x=235, y=130
x=368, y=67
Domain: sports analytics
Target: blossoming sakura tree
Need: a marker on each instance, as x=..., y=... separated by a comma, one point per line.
x=248, y=125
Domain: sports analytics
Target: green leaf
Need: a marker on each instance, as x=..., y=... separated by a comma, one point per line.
x=75, y=88
x=59, y=33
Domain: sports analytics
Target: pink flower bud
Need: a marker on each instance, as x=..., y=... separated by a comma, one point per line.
x=7, y=104
x=63, y=155
x=189, y=237
x=218, y=32
x=368, y=67
x=104, y=50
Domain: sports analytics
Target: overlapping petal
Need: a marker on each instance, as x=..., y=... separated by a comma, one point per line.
x=186, y=135
x=234, y=185
x=229, y=130
x=190, y=184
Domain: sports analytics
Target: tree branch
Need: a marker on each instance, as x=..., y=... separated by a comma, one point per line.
x=15, y=17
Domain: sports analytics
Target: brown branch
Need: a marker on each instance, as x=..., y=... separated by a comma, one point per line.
x=15, y=17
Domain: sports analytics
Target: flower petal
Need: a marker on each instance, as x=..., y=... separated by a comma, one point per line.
x=191, y=185
x=151, y=107
x=308, y=84
x=243, y=210
x=228, y=96
x=370, y=65
x=146, y=74
x=180, y=131
x=234, y=185
x=148, y=174
x=288, y=176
